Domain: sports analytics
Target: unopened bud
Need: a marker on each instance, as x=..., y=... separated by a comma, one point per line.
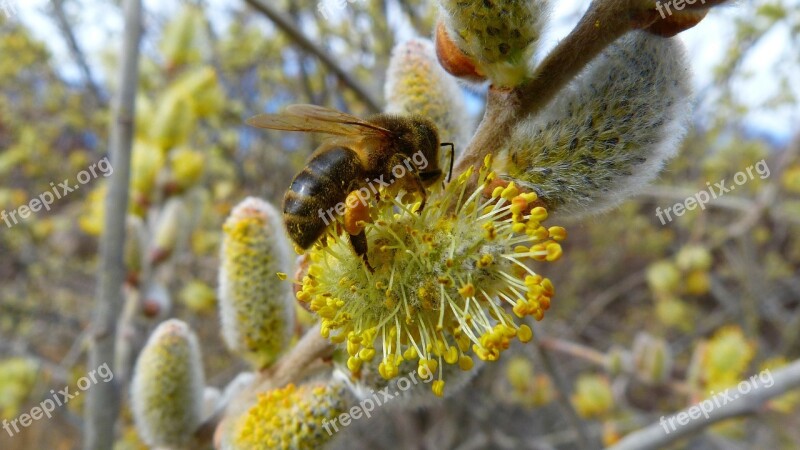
x=256, y=306
x=167, y=386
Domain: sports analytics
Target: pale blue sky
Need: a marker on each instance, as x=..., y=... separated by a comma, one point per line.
x=100, y=25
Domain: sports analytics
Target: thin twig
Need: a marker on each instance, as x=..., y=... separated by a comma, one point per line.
x=286, y=25
x=680, y=194
x=655, y=437
x=102, y=403
x=768, y=196
x=577, y=350
x=584, y=439
x=77, y=53
x=602, y=300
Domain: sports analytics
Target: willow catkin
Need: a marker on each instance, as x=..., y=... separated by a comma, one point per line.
x=291, y=418
x=500, y=36
x=417, y=84
x=256, y=307
x=609, y=132
x=167, y=387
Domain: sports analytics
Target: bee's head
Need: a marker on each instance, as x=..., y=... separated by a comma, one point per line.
x=426, y=153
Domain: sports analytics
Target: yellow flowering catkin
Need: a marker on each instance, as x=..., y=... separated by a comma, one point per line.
x=179, y=45
x=501, y=36
x=417, y=84
x=450, y=282
x=609, y=132
x=725, y=358
x=593, y=397
x=167, y=386
x=256, y=307
x=291, y=418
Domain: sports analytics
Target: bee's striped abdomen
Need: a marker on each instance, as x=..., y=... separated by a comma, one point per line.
x=320, y=186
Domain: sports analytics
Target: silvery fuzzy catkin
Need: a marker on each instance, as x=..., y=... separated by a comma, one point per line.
x=609, y=132
x=417, y=84
x=501, y=36
x=256, y=307
x=652, y=359
x=167, y=386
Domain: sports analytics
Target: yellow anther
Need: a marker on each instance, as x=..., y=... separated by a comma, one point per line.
x=353, y=348
x=510, y=191
x=497, y=192
x=465, y=363
x=451, y=355
x=525, y=334
x=557, y=233
x=518, y=204
x=539, y=214
x=354, y=364
x=485, y=261
x=438, y=388
x=548, y=287
x=554, y=252
x=366, y=354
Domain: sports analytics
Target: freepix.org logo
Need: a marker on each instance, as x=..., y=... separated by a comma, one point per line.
x=326, y=7
x=677, y=4
x=57, y=192
x=61, y=398
x=367, y=405
x=712, y=193
x=363, y=194
x=717, y=400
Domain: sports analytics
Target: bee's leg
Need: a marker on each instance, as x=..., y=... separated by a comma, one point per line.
x=359, y=243
x=355, y=217
x=411, y=179
x=421, y=189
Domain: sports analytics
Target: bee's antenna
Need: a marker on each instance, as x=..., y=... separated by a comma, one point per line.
x=452, y=158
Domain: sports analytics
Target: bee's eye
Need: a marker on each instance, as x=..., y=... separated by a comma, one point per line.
x=430, y=176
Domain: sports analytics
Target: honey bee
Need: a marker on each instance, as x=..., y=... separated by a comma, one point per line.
x=356, y=153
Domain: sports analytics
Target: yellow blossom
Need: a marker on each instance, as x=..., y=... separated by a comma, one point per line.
x=294, y=417
x=444, y=287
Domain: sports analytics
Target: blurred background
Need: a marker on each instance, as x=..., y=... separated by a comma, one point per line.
x=726, y=277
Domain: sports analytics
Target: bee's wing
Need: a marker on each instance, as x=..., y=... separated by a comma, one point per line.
x=319, y=120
